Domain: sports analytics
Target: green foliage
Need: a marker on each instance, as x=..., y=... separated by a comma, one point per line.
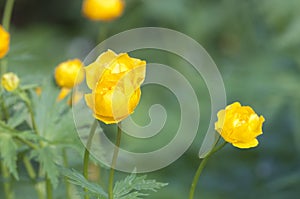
x=77, y=178
x=255, y=44
x=45, y=156
x=19, y=115
x=8, y=151
x=133, y=187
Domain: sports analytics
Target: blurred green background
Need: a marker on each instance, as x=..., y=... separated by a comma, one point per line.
x=254, y=43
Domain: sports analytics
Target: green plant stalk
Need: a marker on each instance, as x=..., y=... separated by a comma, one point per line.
x=49, y=189
x=29, y=168
x=113, y=164
x=32, y=174
x=7, y=183
x=31, y=145
x=201, y=167
x=67, y=183
x=103, y=32
x=4, y=109
x=87, y=153
x=6, y=22
x=7, y=14
x=28, y=104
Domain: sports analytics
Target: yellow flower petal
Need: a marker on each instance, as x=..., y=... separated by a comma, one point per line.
x=95, y=69
x=4, y=42
x=63, y=93
x=69, y=73
x=115, y=86
x=246, y=145
x=102, y=10
x=239, y=125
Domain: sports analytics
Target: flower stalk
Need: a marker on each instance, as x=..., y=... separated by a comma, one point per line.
x=67, y=183
x=7, y=182
x=201, y=167
x=49, y=189
x=6, y=23
x=87, y=153
x=32, y=174
x=114, y=161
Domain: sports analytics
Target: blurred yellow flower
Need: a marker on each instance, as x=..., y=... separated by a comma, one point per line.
x=239, y=125
x=76, y=97
x=4, y=42
x=102, y=10
x=38, y=91
x=115, y=82
x=67, y=75
x=10, y=81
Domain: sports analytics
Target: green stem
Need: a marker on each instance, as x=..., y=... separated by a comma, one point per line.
x=32, y=117
x=32, y=174
x=103, y=32
x=114, y=161
x=7, y=14
x=201, y=167
x=67, y=183
x=49, y=189
x=7, y=182
x=5, y=22
x=29, y=168
x=4, y=109
x=31, y=145
x=87, y=153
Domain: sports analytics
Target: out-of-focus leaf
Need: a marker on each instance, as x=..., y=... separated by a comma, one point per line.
x=45, y=156
x=286, y=181
x=8, y=151
x=19, y=116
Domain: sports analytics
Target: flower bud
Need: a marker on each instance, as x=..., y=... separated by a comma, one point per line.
x=10, y=81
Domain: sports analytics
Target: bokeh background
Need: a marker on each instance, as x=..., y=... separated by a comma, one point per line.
x=254, y=43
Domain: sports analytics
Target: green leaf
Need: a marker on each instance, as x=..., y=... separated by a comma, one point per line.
x=8, y=151
x=30, y=136
x=77, y=178
x=45, y=156
x=131, y=187
x=19, y=116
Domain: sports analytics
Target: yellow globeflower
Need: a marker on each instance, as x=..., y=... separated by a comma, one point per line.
x=4, y=42
x=66, y=73
x=239, y=125
x=115, y=82
x=102, y=10
x=10, y=81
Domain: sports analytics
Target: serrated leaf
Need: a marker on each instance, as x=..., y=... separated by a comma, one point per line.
x=134, y=195
x=45, y=157
x=132, y=186
x=8, y=151
x=18, y=117
x=76, y=178
x=30, y=136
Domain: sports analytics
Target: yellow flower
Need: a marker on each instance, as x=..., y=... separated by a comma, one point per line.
x=38, y=91
x=67, y=75
x=10, y=81
x=67, y=72
x=239, y=125
x=102, y=10
x=4, y=42
x=115, y=82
